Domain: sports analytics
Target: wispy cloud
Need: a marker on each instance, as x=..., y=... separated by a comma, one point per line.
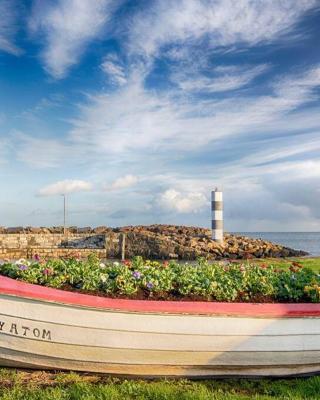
x=67, y=29
x=114, y=124
x=222, y=22
x=220, y=79
x=65, y=187
x=8, y=27
x=3, y=150
x=114, y=70
x=39, y=152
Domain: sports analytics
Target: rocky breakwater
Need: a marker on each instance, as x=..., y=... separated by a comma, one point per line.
x=153, y=241
x=189, y=243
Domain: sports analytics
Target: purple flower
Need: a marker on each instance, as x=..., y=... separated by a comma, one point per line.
x=149, y=285
x=36, y=257
x=23, y=267
x=136, y=274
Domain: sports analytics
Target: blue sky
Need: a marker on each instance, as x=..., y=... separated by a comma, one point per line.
x=137, y=109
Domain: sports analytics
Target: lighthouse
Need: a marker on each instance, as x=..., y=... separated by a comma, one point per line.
x=217, y=215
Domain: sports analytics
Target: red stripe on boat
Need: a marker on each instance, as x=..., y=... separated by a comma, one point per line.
x=12, y=287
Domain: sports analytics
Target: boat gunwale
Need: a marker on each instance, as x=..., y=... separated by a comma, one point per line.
x=12, y=287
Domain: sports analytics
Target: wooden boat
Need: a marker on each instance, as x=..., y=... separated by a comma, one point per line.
x=46, y=328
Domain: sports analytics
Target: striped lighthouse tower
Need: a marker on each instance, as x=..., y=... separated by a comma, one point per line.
x=217, y=215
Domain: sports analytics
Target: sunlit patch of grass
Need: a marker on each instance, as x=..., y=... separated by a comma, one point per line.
x=72, y=386
x=312, y=263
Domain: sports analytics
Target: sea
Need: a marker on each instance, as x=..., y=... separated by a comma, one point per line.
x=307, y=241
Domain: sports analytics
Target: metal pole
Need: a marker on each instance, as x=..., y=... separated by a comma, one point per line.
x=64, y=214
x=123, y=247
x=217, y=215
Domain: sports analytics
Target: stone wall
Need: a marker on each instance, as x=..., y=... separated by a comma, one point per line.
x=50, y=240
x=53, y=245
x=14, y=254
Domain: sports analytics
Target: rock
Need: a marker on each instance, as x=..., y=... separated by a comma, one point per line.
x=173, y=255
x=33, y=229
x=56, y=229
x=155, y=241
x=15, y=229
x=100, y=229
x=86, y=229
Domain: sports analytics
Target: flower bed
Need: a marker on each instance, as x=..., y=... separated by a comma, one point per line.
x=172, y=281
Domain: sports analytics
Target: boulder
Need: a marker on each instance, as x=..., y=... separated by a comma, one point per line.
x=15, y=229
x=86, y=229
x=100, y=229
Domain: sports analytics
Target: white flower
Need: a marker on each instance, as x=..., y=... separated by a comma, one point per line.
x=103, y=278
x=116, y=263
x=21, y=261
x=102, y=265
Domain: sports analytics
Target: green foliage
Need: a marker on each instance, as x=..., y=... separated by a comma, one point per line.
x=151, y=279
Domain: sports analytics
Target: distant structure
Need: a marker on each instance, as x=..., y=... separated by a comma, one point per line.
x=217, y=215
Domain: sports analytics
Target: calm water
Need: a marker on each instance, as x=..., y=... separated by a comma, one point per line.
x=307, y=241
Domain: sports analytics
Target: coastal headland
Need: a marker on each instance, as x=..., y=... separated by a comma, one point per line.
x=152, y=241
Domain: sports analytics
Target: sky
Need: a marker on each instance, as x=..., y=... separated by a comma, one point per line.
x=137, y=109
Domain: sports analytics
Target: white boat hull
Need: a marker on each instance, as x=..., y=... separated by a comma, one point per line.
x=49, y=329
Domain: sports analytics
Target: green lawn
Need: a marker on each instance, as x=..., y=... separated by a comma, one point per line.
x=313, y=263
x=70, y=386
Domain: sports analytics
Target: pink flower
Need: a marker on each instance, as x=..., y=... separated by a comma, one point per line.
x=127, y=263
x=47, y=271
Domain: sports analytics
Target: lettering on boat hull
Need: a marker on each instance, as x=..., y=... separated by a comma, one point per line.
x=18, y=329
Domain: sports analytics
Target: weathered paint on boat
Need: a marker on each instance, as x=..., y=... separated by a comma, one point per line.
x=53, y=329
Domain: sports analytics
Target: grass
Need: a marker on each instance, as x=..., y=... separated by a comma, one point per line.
x=313, y=263
x=24, y=385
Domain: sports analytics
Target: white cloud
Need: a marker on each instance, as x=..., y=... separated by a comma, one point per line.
x=68, y=27
x=123, y=182
x=224, y=22
x=3, y=149
x=115, y=124
x=222, y=79
x=65, y=187
x=130, y=118
x=156, y=128
x=114, y=70
x=181, y=202
x=40, y=152
x=8, y=27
